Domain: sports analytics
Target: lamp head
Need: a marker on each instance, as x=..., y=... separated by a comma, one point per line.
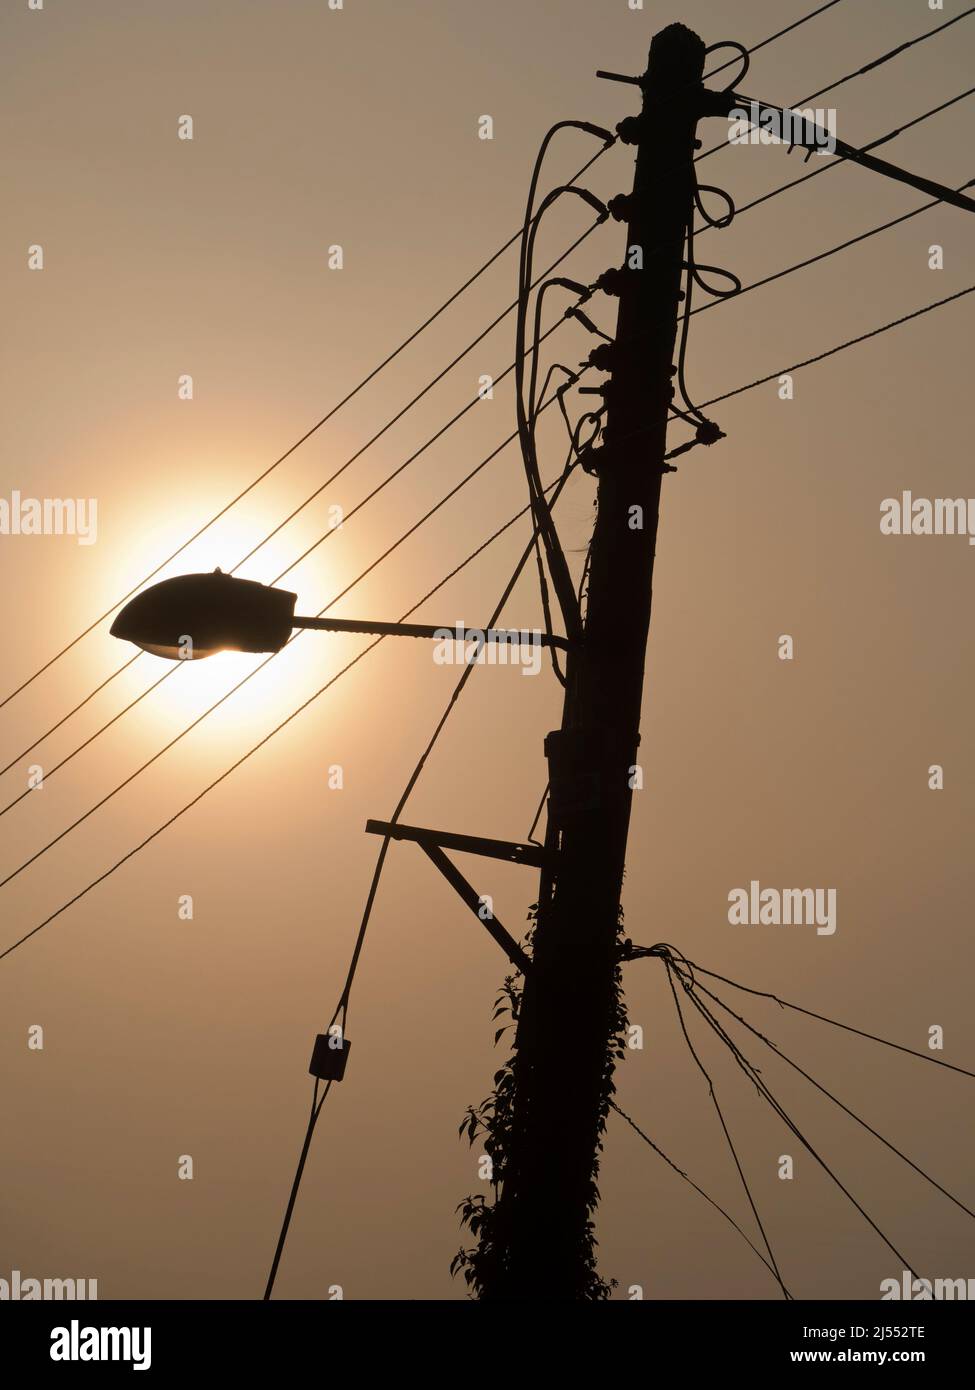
x=197, y=615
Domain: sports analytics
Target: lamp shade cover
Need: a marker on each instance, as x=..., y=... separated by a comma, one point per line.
x=197, y=615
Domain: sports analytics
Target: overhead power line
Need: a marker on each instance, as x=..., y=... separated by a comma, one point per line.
x=342, y=1007
x=321, y=539
x=780, y=33
x=288, y=452
x=779, y=1052
x=740, y=50
x=316, y=1103
x=841, y=347
x=657, y=1150
x=861, y=155
x=839, y=161
x=864, y=337
x=823, y=1018
x=471, y=404
x=101, y=686
x=886, y=57
x=757, y=284
x=727, y=1134
x=858, y=72
x=228, y=693
x=825, y=255
x=672, y=969
x=830, y=352
x=257, y=746
x=755, y=1076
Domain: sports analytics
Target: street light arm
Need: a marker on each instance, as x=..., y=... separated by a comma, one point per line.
x=459, y=632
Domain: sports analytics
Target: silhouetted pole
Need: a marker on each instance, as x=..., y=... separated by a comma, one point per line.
x=563, y=1062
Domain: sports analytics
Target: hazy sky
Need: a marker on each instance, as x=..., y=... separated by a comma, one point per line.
x=165, y=257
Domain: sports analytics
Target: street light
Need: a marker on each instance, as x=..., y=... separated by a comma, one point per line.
x=197, y=615
x=192, y=616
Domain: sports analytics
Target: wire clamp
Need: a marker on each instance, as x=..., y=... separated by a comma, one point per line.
x=329, y=1056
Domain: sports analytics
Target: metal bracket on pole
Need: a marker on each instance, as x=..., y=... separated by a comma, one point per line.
x=509, y=850
x=861, y=156
x=430, y=841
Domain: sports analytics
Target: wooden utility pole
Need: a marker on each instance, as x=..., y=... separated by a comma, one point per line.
x=542, y=1228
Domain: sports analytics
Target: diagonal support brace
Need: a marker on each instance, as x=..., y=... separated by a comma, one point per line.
x=459, y=883
x=430, y=842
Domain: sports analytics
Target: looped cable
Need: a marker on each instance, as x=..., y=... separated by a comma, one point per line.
x=695, y=269
x=593, y=417
x=707, y=432
x=727, y=218
x=741, y=52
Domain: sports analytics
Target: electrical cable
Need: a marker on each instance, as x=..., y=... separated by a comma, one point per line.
x=277, y=462
x=843, y=246
x=233, y=689
x=257, y=746
x=557, y=565
x=647, y=1140
x=727, y=1134
x=836, y=1101
x=743, y=54
x=822, y=1018
x=739, y=211
x=316, y=493
x=859, y=72
x=49, y=773
x=755, y=1077
x=546, y=530
x=839, y=161
x=342, y=1007
x=840, y=347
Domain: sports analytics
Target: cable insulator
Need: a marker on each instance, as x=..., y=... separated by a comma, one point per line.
x=620, y=206
x=583, y=291
x=706, y=432
x=600, y=132
x=576, y=313
x=630, y=130
x=607, y=388
x=587, y=196
x=611, y=281
x=602, y=358
x=709, y=433
x=590, y=460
